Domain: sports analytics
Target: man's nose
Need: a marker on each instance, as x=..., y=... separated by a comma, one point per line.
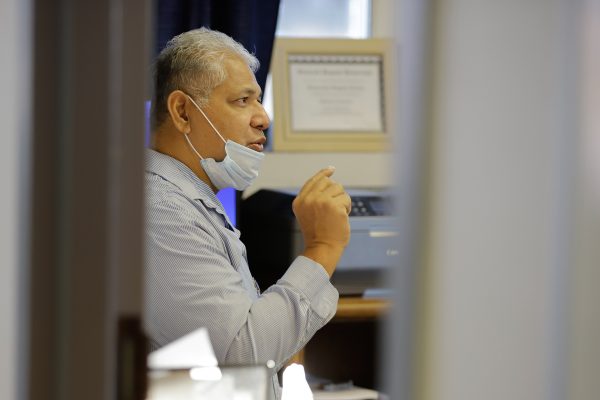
x=261, y=119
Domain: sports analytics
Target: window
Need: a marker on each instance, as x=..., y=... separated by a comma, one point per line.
x=331, y=18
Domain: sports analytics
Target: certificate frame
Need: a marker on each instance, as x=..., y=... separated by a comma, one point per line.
x=304, y=121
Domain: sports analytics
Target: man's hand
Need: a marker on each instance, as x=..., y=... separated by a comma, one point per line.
x=322, y=209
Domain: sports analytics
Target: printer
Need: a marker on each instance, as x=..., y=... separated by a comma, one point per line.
x=273, y=239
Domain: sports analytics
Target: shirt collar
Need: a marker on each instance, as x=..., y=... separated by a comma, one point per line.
x=184, y=178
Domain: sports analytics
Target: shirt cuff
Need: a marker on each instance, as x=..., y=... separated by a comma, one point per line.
x=312, y=280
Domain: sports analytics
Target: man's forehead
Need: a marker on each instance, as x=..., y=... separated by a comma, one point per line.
x=240, y=78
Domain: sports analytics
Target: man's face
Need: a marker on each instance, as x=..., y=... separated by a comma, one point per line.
x=235, y=109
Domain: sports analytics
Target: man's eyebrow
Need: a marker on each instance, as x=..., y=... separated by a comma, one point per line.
x=251, y=92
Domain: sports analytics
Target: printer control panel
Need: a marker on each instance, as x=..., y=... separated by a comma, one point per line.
x=370, y=206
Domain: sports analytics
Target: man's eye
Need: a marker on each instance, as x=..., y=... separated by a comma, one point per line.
x=242, y=100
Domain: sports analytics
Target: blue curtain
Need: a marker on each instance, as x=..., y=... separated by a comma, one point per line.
x=250, y=22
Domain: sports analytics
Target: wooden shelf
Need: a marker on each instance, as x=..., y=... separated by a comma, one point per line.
x=358, y=307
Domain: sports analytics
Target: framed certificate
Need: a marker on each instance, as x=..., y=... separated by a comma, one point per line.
x=331, y=94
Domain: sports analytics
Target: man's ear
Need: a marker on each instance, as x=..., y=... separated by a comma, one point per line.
x=176, y=106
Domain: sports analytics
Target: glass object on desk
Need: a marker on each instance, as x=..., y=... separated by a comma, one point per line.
x=187, y=369
x=231, y=383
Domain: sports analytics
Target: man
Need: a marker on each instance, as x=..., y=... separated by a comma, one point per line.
x=208, y=135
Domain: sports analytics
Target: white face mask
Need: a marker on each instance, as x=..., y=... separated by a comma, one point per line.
x=238, y=169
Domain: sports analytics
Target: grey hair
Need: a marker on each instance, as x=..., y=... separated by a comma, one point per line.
x=193, y=62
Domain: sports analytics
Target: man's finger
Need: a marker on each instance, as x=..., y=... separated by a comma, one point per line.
x=316, y=178
x=346, y=201
x=333, y=189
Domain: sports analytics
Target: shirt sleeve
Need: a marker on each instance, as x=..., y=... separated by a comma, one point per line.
x=283, y=319
x=192, y=283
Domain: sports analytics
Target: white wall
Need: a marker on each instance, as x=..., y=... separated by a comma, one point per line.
x=14, y=112
x=500, y=216
x=584, y=315
x=353, y=170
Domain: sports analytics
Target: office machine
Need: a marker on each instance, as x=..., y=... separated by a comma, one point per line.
x=273, y=238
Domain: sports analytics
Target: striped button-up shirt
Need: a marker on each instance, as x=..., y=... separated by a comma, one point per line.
x=197, y=275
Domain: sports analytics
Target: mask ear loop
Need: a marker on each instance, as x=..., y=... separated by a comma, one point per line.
x=205, y=117
x=186, y=135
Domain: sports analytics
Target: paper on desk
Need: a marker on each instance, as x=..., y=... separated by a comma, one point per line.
x=356, y=393
x=189, y=351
